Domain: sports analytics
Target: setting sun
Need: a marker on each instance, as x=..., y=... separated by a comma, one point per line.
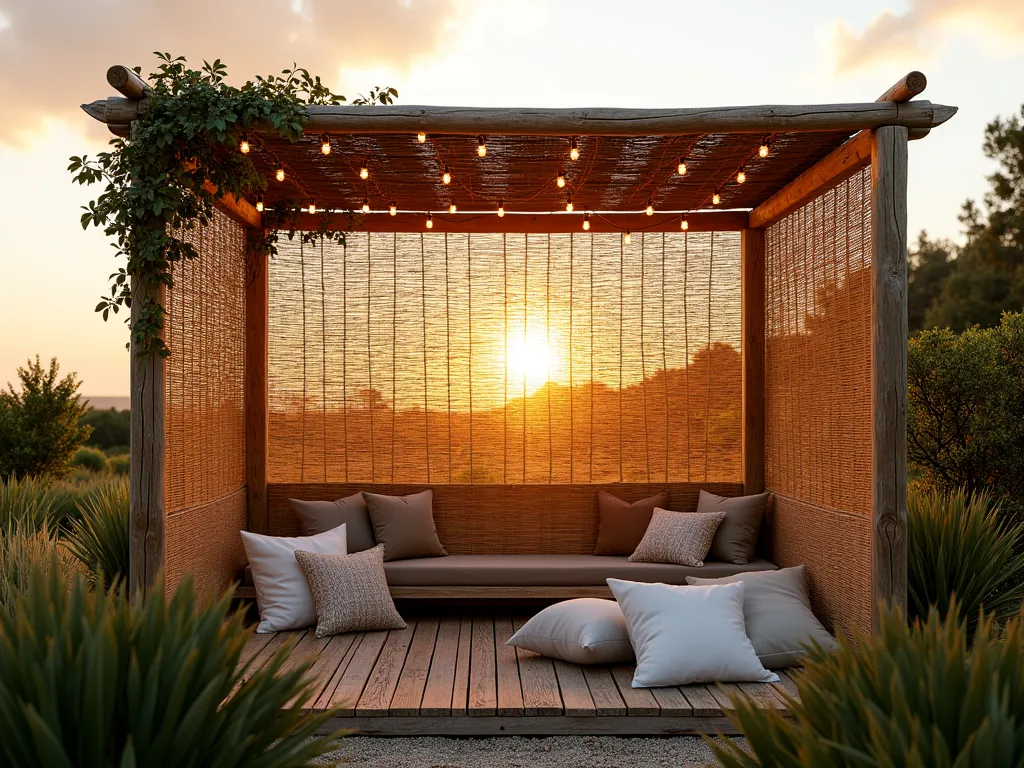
x=531, y=359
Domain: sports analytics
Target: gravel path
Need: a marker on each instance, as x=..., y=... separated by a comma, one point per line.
x=519, y=752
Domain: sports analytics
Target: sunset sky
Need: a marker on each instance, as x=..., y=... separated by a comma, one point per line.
x=53, y=55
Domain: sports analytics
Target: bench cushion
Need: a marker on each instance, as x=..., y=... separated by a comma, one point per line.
x=548, y=571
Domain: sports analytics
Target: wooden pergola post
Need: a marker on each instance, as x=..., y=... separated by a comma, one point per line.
x=257, y=329
x=889, y=364
x=752, y=349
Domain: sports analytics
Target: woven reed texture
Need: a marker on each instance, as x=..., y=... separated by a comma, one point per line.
x=502, y=519
x=612, y=173
x=506, y=359
x=204, y=407
x=818, y=418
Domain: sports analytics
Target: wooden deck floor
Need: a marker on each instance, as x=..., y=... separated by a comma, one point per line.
x=455, y=676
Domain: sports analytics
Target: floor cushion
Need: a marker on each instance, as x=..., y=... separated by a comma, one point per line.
x=584, y=631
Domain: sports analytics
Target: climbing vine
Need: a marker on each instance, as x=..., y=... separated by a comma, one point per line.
x=184, y=144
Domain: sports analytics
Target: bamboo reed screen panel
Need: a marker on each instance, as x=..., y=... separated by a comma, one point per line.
x=204, y=407
x=430, y=358
x=818, y=418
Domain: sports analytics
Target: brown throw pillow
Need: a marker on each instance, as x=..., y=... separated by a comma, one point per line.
x=405, y=525
x=682, y=538
x=621, y=525
x=350, y=592
x=736, y=538
x=319, y=516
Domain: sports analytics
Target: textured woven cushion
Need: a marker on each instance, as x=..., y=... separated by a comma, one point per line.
x=686, y=635
x=778, y=615
x=319, y=516
x=282, y=593
x=350, y=592
x=736, y=538
x=583, y=631
x=683, y=538
x=621, y=525
x=405, y=525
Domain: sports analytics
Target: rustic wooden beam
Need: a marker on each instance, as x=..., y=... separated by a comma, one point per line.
x=127, y=82
x=699, y=221
x=146, y=486
x=752, y=347
x=257, y=392
x=838, y=165
x=237, y=208
x=907, y=87
x=598, y=122
x=889, y=364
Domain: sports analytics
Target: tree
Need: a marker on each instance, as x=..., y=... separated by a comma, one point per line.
x=111, y=428
x=930, y=264
x=39, y=426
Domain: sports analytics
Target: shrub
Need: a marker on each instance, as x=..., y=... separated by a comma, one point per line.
x=960, y=553
x=110, y=427
x=120, y=464
x=100, y=537
x=92, y=459
x=30, y=504
x=21, y=552
x=910, y=695
x=89, y=678
x=39, y=429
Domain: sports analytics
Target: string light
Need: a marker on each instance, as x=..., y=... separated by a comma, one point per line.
x=764, y=149
x=628, y=237
x=586, y=222
x=451, y=207
x=430, y=221
x=366, y=205
x=650, y=207
x=364, y=173
x=312, y=206
x=243, y=145
x=393, y=209
x=681, y=168
x=325, y=144
x=501, y=208
x=684, y=224
x=259, y=203
x=481, y=148
x=741, y=176
x=421, y=137
x=280, y=174
x=574, y=150
x=568, y=204
x=716, y=198
x=446, y=177
x=560, y=179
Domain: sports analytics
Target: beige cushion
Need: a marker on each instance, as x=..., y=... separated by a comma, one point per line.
x=621, y=525
x=319, y=516
x=778, y=615
x=683, y=538
x=736, y=538
x=583, y=631
x=405, y=525
x=350, y=592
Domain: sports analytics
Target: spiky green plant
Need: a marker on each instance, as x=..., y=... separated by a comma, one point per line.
x=99, y=538
x=21, y=551
x=88, y=678
x=28, y=503
x=960, y=548
x=911, y=695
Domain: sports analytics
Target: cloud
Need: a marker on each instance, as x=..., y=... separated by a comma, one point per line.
x=922, y=30
x=54, y=53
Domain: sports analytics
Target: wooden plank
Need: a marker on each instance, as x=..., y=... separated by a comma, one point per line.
x=486, y=593
x=305, y=651
x=540, y=684
x=413, y=679
x=752, y=345
x=907, y=87
x=639, y=702
x=786, y=683
x=437, y=694
x=257, y=388
x=607, y=701
x=510, y=690
x=889, y=366
x=483, y=684
x=257, y=662
x=324, y=666
x=700, y=699
x=323, y=701
x=761, y=694
x=255, y=643
x=236, y=208
x=576, y=696
x=381, y=684
x=460, y=686
x=347, y=692
x=530, y=726
x=672, y=702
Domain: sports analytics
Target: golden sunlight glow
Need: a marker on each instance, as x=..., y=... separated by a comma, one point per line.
x=531, y=359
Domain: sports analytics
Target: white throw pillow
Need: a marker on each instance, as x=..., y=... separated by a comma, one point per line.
x=685, y=635
x=282, y=592
x=587, y=630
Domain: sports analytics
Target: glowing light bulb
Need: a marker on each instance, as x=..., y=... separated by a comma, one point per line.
x=259, y=203
x=716, y=199
x=393, y=209
x=586, y=222
x=280, y=174
x=574, y=150
x=560, y=179
x=501, y=208
x=650, y=207
x=243, y=145
x=421, y=137
x=451, y=207
x=741, y=176
x=681, y=168
x=764, y=149
x=325, y=144
x=568, y=204
x=364, y=173
x=366, y=205
x=684, y=224
x=628, y=237
x=312, y=206
x=446, y=177
x=481, y=148
x=430, y=221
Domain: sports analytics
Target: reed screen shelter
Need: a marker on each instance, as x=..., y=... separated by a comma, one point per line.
x=533, y=303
